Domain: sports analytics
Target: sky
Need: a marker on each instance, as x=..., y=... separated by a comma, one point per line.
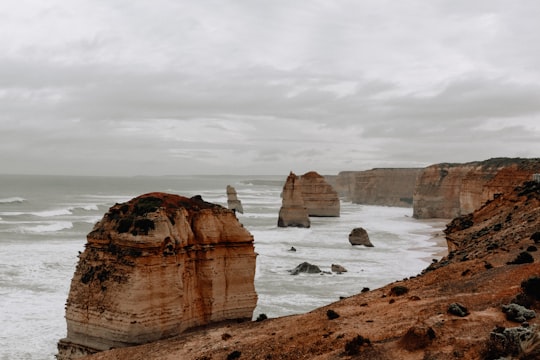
x=172, y=87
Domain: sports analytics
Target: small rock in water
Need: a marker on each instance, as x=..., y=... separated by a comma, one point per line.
x=338, y=268
x=359, y=236
x=305, y=267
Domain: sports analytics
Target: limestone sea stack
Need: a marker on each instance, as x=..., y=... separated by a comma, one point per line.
x=319, y=196
x=154, y=267
x=293, y=211
x=232, y=200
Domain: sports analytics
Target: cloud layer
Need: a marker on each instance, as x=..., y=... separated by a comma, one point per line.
x=252, y=87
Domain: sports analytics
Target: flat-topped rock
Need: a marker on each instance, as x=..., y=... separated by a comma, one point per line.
x=320, y=198
x=154, y=267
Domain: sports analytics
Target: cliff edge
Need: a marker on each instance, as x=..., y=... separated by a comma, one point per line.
x=453, y=310
x=154, y=267
x=448, y=190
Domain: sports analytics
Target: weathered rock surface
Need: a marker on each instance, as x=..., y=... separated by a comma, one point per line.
x=338, y=268
x=154, y=267
x=475, y=274
x=232, y=200
x=359, y=236
x=382, y=186
x=320, y=198
x=449, y=190
x=293, y=211
x=305, y=267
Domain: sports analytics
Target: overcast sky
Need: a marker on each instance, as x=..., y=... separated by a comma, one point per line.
x=122, y=87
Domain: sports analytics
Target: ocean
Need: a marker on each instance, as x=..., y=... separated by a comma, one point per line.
x=44, y=221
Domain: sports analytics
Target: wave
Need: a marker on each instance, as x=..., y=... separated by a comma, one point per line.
x=12, y=200
x=263, y=182
x=49, y=227
x=50, y=213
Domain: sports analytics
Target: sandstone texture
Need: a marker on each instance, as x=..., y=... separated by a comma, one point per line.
x=154, y=267
x=449, y=190
x=293, y=211
x=232, y=200
x=320, y=198
x=408, y=319
x=384, y=186
x=359, y=236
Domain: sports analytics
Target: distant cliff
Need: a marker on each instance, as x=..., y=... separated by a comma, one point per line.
x=448, y=190
x=154, y=267
x=381, y=186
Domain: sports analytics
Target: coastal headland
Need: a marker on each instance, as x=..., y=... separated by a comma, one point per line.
x=457, y=308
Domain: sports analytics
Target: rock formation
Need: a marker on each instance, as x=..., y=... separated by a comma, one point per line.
x=450, y=190
x=359, y=236
x=305, y=267
x=320, y=199
x=382, y=186
x=338, y=268
x=412, y=324
x=293, y=211
x=232, y=200
x=154, y=267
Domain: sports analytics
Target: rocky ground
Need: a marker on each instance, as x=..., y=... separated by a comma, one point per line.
x=453, y=310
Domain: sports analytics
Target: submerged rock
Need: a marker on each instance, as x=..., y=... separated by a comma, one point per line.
x=154, y=267
x=305, y=267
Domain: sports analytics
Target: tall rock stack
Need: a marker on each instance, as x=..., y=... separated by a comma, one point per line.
x=154, y=267
x=232, y=200
x=320, y=198
x=293, y=211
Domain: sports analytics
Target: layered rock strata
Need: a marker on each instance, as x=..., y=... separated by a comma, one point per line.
x=293, y=211
x=409, y=319
x=320, y=198
x=449, y=190
x=382, y=186
x=233, y=203
x=154, y=267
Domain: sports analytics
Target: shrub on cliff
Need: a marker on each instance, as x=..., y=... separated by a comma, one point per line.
x=516, y=343
x=399, y=290
x=522, y=258
x=531, y=287
x=353, y=346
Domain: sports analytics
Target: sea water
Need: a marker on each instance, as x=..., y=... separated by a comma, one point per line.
x=44, y=221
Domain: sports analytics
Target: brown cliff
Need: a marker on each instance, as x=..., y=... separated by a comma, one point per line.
x=449, y=190
x=293, y=211
x=409, y=319
x=154, y=267
x=320, y=198
x=384, y=186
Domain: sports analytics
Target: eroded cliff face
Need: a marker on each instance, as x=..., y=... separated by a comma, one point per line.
x=154, y=267
x=320, y=198
x=450, y=190
x=293, y=211
x=385, y=186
